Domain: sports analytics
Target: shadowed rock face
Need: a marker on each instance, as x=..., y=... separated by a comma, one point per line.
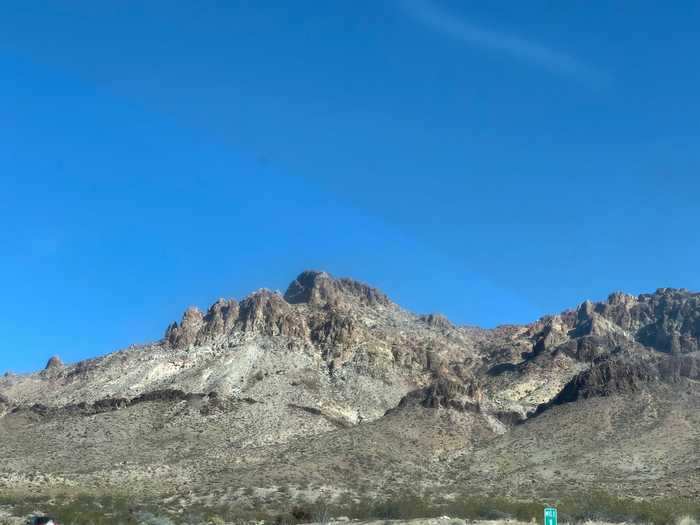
x=117, y=403
x=599, y=349
x=444, y=393
x=673, y=321
x=619, y=375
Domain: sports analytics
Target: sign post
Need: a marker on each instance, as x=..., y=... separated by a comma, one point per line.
x=550, y=516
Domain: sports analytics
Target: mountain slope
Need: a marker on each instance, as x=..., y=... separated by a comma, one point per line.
x=333, y=387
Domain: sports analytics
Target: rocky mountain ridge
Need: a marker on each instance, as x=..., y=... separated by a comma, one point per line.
x=347, y=327
x=337, y=359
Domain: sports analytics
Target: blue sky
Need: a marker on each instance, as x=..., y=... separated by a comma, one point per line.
x=494, y=161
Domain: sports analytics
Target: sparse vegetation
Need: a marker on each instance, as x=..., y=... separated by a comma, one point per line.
x=581, y=508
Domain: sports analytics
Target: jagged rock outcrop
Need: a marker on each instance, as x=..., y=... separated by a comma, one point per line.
x=628, y=374
x=219, y=320
x=599, y=349
x=667, y=321
x=263, y=312
x=526, y=369
x=445, y=393
x=118, y=403
x=54, y=363
x=334, y=328
x=270, y=314
x=185, y=334
x=436, y=321
x=319, y=288
x=267, y=313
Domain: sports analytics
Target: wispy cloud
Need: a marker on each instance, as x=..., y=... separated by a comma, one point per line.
x=431, y=15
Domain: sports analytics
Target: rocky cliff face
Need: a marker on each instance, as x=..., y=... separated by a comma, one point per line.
x=598, y=349
x=667, y=321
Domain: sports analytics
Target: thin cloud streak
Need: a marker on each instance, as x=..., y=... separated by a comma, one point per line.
x=429, y=14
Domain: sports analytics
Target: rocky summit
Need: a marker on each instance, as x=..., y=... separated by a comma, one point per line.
x=333, y=389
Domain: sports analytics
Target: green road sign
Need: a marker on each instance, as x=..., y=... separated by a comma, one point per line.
x=550, y=516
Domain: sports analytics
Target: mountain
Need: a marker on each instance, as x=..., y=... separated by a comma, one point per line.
x=332, y=389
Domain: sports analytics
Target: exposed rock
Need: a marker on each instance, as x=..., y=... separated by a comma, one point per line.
x=625, y=374
x=444, y=393
x=115, y=403
x=219, y=320
x=607, y=378
x=54, y=363
x=667, y=320
x=335, y=332
x=319, y=288
x=5, y=405
x=267, y=313
x=263, y=312
x=436, y=321
x=185, y=334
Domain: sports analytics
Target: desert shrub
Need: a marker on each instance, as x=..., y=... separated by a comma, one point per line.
x=302, y=514
x=88, y=509
x=596, y=506
x=599, y=506
x=403, y=507
x=491, y=508
x=593, y=507
x=78, y=512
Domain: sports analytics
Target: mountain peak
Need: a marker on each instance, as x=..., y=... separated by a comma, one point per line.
x=320, y=288
x=53, y=363
x=308, y=287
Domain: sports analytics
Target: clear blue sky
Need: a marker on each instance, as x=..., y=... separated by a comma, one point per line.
x=495, y=161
